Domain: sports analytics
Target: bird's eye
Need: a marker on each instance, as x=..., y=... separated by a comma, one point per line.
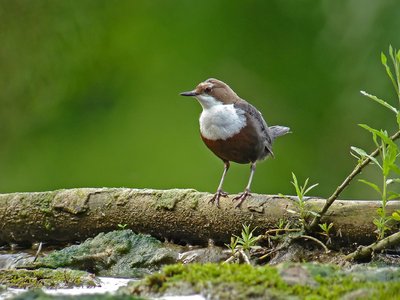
x=207, y=90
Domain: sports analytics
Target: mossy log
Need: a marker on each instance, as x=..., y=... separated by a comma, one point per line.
x=178, y=215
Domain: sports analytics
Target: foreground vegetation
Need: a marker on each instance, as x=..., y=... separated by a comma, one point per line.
x=295, y=281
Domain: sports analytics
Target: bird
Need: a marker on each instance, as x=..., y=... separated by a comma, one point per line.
x=234, y=130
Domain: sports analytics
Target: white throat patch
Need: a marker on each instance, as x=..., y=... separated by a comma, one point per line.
x=219, y=121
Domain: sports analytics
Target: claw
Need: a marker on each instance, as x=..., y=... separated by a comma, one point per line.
x=217, y=195
x=241, y=198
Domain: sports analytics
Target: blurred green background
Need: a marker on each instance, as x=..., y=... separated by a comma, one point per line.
x=89, y=90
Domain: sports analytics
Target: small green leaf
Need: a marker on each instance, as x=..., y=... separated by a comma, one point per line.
x=372, y=185
x=396, y=216
x=303, y=188
x=315, y=214
x=395, y=168
x=296, y=186
x=380, y=212
x=383, y=59
x=387, y=68
x=310, y=188
x=359, y=151
x=377, y=222
x=364, y=154
x=381, y=133
x=393, y=196
x=380, y=101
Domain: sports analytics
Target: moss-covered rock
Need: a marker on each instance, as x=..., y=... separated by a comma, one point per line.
x=118, y=253
x=232, y=281
x=49, y=278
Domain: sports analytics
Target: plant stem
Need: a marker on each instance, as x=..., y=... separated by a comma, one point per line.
x=358, y=168
x=384, y=195
x=384, y=200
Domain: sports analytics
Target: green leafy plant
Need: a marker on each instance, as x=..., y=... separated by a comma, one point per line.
x=232, y=246
x=247, y=240
x=388, y=150
x=388, y=154
x=326, y=231
x=282, y=223
x=395, y=57
x=122, y=226
x=301, y=192
x=240, y=246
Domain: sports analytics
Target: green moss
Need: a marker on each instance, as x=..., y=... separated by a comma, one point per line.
x=60, y=278
x=194, y=203
x=119, y=253
x=169, y=198
x=225, y=281
x=45, y=200
x=47, y=225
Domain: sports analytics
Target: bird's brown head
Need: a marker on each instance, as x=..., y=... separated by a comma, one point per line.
x=211, y=92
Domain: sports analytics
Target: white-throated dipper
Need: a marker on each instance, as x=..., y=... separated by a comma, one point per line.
x=233, y=130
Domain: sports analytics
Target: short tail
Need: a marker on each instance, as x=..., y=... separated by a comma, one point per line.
x=279, y=131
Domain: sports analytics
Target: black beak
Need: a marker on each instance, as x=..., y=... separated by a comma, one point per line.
x=190, y=93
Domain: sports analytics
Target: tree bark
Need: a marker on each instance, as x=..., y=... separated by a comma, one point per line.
x=178, y=215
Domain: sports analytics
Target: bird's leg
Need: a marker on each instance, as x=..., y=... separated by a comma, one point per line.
x=246, y=192
x=220, y=192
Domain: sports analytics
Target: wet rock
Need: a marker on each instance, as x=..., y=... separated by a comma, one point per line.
x=364, y=273
x=15, y=260
x=213, y=254
x=118, y=254
x=297, y=274
x=386, y=259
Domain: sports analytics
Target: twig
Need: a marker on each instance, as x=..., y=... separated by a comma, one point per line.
x=315, y=240
x=282, y=229
x=245, y=257
x=314, y=223
x=38, y=251
x=272, y=252
x=365, y=252
x=239, y=253
x=231, y=258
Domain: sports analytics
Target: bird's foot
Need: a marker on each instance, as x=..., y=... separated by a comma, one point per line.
x=241, y=198
x=217, y=195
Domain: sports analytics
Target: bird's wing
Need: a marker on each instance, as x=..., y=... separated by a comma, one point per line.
x=250, y=109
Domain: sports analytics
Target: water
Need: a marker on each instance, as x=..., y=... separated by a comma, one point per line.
x=108, y=285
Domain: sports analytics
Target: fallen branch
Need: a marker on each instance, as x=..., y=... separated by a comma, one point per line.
x=183, y=216
x=365, y=252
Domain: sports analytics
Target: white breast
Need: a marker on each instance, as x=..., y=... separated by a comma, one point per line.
x=220, y=122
